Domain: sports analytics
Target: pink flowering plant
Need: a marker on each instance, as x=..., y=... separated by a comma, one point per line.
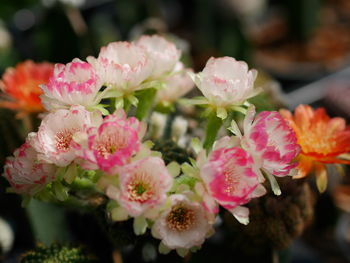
x=102, y=134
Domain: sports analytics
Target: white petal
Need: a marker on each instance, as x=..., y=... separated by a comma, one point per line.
x=241, y=213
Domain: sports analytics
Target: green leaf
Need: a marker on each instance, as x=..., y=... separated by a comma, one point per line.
x=112, y=93
x=194, y=101
x=174, y=169
x=60, y=191
x=140, y=225
x=321, y=179
x=235, y=129
x=133, y=100
x=221, y=113
x=185, y=180
x=182, y=252
x=119, y=214
x=101, y=108
x=71, y=173
x=163, y=249
x=119, y=103
x=187, y=169
x=196, y=145
x=239, y=109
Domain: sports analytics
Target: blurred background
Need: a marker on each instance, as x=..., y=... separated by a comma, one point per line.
x=300, y=47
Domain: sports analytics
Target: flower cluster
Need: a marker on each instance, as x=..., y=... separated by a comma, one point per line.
x=94, y=135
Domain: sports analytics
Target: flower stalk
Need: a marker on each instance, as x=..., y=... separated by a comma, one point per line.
x=146, y=98
x=213, y=126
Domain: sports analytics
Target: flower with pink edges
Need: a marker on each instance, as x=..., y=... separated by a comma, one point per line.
x=143, y=186
x=183, y=225
x=164, y=53
x=75, y=83
x=231, y=179
x=25, y=173
x=122, y=65
x=226, y=82
x=112, y=143
x=176, y=85
x=271, y=142
x=54, y=139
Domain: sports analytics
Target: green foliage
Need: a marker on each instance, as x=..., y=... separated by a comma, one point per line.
x=58, y=254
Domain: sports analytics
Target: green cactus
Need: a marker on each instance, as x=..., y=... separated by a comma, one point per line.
x=172, y=152
x=57, y=254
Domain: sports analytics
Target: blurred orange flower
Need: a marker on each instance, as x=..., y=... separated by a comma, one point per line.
x=323, y=140
x=21, y=86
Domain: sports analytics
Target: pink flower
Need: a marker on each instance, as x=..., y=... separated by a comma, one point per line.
x=183, y=225
x=164, y=53
x=73, y=84
x=112, y=143
x=53, y=141
x=177, y=85
x=271, y=142
x=143, y=185
x=231, y=179
x=122, y=65
x=25, y=173
x=226, y=82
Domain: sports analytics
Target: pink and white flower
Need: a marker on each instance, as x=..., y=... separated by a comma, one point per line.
x=25, y=173
x=164, y=53
x=176, y=85
x=183, y=225
x=75, y=83
x=226, y=82
x=231, y=179
x=112, y=143
x=143, y=186
x=271, y=142
x=53, y=141
x=122, y=65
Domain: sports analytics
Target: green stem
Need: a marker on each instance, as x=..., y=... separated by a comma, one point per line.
x=127, y=105
x=146, y=98
x=213, y=127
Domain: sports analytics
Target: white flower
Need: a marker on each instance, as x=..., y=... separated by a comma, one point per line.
x=179, y=129
x=247, y=7
x=143, y=185
x=176, y=85
x=157, y=125
x=226, y=82
x=27, y=174
x=183, y=225
x=73, y=84
x=122, y=65
x=53, y=141
x=6, y=236
x=164, y=53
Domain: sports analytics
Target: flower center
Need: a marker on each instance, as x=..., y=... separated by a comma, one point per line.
x=110, y=142
x=180, y=218
x=63, y=139
x=231, y=179
x=139, y=189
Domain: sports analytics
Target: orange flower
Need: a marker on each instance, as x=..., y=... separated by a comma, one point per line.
x=21, y=86
x=323, y=140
